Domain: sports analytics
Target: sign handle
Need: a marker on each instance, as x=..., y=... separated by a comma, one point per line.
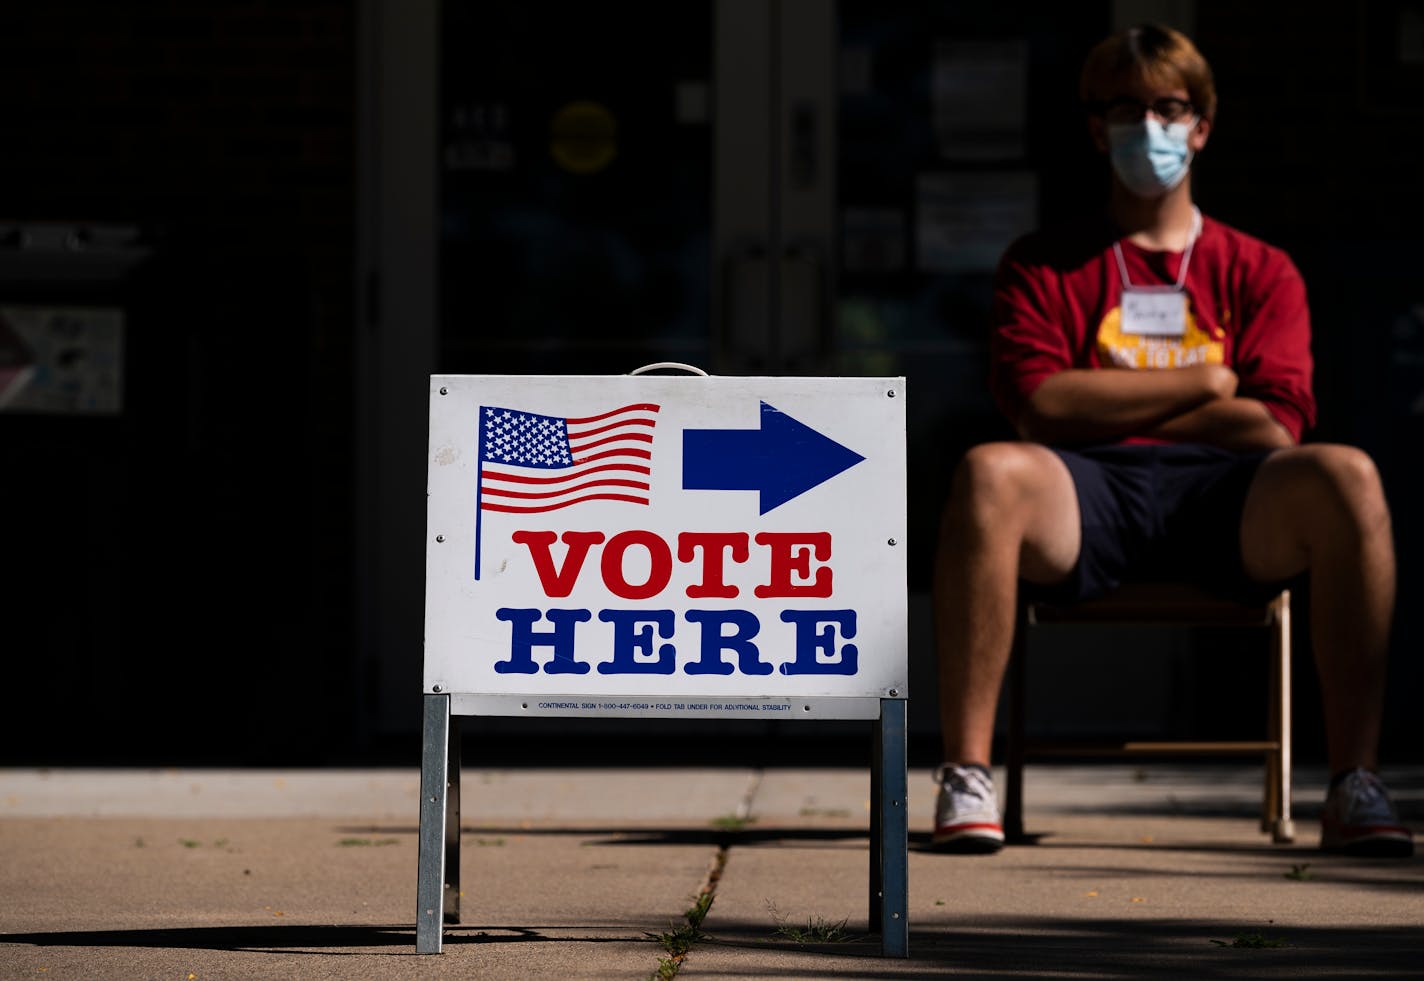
x=691, y=369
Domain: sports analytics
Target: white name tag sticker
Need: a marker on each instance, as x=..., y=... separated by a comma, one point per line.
x=1156, y=313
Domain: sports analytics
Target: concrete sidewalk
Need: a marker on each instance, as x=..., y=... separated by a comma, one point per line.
x=1156, y=871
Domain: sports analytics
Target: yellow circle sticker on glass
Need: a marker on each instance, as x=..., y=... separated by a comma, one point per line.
x=583, y=137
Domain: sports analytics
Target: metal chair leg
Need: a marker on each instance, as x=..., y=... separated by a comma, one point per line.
x=1017, y=734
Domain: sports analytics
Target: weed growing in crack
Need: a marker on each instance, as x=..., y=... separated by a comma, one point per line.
x=680, y=939
x=732, y=822
x=818, y=929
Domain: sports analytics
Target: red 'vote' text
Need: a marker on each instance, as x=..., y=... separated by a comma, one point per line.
x=796, y=561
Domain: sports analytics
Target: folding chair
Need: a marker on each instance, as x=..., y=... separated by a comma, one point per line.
x=1167, y=605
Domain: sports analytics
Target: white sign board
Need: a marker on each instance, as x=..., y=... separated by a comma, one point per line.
x=666, y=546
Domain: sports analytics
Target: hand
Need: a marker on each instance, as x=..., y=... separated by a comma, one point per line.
x=1217, y=380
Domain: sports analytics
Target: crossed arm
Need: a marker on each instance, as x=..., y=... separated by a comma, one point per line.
x=1197, y=404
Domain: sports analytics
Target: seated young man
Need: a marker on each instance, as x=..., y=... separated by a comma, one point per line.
x=1157, y=365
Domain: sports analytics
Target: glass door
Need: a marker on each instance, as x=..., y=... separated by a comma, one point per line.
x=575, y=176
x=639, y=183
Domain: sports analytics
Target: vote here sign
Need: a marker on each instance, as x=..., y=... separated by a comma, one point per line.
x=665, y=545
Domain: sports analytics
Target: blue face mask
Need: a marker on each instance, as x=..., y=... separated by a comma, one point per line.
x=1150, y=159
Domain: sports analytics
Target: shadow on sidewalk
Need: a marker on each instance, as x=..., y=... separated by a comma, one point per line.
x=633, y=835
x=1019, y=947
x=294, y=938
x=791, y=834
x=994, y=947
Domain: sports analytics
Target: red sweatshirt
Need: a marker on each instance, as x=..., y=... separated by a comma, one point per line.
x=1057, y=305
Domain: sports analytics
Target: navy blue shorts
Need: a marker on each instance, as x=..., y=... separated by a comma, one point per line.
x=1159, y=512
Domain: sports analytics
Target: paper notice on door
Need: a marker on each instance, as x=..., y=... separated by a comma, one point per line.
x=965, y=221
x=979, y=92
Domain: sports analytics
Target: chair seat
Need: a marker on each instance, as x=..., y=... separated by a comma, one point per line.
x=1165, y=603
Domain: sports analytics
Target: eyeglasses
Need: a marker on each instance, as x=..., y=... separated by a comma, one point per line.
x=1127, y=110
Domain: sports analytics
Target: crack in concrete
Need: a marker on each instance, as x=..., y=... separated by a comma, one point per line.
x=706, y=894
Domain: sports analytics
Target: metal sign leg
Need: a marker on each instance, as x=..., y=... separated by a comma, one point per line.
x=452, y=823
x=877, y=836
x=438, y=885
x=890, y=832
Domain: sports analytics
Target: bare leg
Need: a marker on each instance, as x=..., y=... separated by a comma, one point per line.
x=1320, y=509
x=1012, y=512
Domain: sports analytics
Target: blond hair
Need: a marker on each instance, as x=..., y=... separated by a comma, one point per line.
x=1152, y=53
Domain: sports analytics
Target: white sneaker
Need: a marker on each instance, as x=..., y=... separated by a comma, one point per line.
x=1360, y=819
x=966, y=813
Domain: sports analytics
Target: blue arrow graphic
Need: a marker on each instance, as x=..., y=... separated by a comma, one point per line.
x=782, y=459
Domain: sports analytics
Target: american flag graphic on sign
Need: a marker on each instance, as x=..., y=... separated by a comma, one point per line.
x=532, y=463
